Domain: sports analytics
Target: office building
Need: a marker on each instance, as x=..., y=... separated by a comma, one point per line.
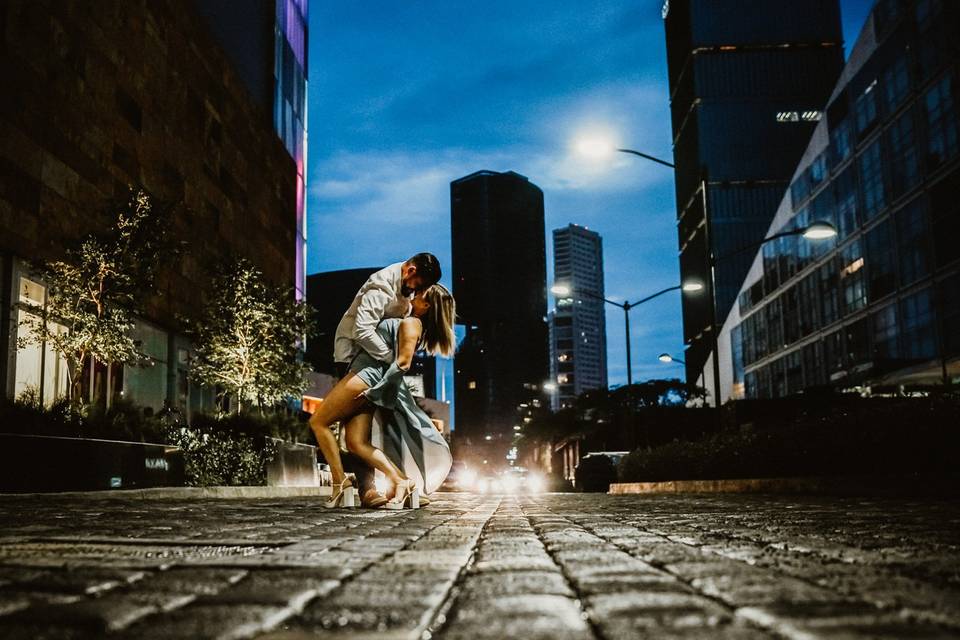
x=578, y=334
x=878, y=306
x=748, y=83
x=499, y=281
x=182, y=98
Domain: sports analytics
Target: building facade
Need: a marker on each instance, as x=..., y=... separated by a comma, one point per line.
x=748, y=81
x=879, y=305
x=499, y=281
x=578, y=329
x=106, y=95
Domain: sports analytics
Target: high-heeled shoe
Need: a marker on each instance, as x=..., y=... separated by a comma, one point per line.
x=407, y=495
x=344, y=495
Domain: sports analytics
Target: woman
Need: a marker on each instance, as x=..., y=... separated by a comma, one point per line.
x=370, y=384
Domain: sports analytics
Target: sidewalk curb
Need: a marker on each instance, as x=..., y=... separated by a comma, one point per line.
x=193, y=493
x=861, y=485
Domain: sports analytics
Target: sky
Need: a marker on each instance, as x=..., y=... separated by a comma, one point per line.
x=405, y=97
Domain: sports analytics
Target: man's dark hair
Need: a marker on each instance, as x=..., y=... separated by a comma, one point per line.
x=428, y=268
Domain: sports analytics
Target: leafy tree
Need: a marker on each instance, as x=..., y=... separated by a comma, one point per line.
x=248, y=339
x=96, y=289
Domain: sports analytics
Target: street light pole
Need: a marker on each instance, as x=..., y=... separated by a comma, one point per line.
x=648, y=157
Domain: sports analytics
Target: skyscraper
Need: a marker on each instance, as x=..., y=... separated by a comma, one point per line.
x=748, y=83
x=499, y=281
x=879, y=304
x=578, y=335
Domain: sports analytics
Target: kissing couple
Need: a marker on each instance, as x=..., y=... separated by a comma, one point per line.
x=399, y=311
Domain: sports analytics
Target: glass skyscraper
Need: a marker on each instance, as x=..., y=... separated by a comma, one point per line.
x=578, y=334
x=748, y=81
x=879, y=304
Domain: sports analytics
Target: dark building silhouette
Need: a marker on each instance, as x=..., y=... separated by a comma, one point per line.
x=101, y=95
x=330, y=294
x=748, y=83
x=499, y=281
x=879, y=305
x=578, y=327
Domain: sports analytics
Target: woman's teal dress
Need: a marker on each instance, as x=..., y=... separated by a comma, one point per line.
x=400, y=427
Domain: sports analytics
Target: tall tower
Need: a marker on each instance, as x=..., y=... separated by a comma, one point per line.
x=578, y=334
x=499, y=281
x=748, y=82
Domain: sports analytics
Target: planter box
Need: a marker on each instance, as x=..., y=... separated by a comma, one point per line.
x=295, y=465
x=47, y=463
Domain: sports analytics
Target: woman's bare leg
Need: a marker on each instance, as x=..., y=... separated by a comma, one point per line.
x=358, y=442
x=343, y=401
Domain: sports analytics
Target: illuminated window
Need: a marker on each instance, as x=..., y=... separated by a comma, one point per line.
x=472, y=384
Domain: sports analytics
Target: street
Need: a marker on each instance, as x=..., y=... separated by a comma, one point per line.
x=558, y=566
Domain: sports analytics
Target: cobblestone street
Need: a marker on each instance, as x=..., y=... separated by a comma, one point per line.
x=556, y=566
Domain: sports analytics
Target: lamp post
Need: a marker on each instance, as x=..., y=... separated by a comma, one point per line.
x=565, y=290
x=666, y=358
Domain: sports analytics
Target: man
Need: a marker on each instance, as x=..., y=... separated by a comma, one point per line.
x=385, y=294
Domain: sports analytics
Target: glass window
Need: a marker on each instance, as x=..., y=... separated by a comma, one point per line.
x=881, y=260
x=845, y=194
x=941, y=122
x=871, y=180
x=840, y=143
x=778, y=378
x=866, y=109
x=851, y=278
x=896, y=83
x=829, y=293
x=904, y=167
x=809, y=306
x=857, y=339
x=918, y=330
x=736, y=350
x=771, y=277
x=750, y=384
x=834, y=354
x=818, y=169
x=791, y=315
x=39, y=370
x=913, y=242
x=794, y=366
x=813, y=372
x=885, y=334
x=774, y=326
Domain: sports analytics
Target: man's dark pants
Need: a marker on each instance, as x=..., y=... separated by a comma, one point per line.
x=352, y=463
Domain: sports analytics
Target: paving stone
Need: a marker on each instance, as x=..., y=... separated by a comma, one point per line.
x=511, y=583
x=223, y=622
x=527, y=616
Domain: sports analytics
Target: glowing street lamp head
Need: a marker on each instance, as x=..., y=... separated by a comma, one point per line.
x=595, y=145
x=665, y=357
x=560, y=290
x=549, y=387
x=691, y=286
x=819, y=231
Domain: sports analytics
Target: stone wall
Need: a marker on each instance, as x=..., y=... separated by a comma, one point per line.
x=101, y=95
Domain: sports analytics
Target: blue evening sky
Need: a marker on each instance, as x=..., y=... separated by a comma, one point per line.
x=406, y=96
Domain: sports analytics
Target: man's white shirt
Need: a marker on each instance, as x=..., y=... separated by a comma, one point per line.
x=380, y=297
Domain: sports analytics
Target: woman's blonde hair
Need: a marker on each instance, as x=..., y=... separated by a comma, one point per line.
x=438, y=336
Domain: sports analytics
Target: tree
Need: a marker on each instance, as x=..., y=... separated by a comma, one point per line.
x=96, y=289
x=248, y=339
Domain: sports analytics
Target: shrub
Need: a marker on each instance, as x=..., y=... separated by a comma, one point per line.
x=887, y=436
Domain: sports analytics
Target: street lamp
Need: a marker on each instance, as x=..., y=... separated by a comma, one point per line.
x=666, y=358
x=549, y=387
x=601, y=147
x=564, y=290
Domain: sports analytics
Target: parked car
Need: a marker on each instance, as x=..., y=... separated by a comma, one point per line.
x=597, y=470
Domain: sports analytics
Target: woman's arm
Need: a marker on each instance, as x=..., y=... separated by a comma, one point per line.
x=408, y=336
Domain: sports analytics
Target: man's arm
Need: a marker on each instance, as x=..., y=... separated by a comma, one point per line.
x=369, y=314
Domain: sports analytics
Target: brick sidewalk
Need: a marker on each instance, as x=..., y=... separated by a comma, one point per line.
x=556, y=566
